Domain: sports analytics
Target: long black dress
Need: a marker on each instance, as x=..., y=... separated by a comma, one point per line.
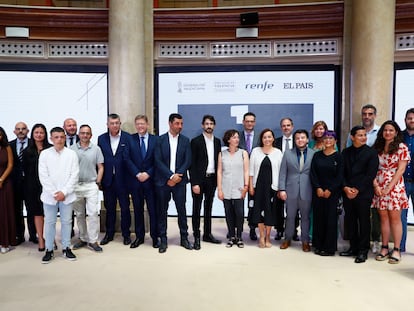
x=7, y=222
x=326, y=173
x=262, y=209
x=32, y=186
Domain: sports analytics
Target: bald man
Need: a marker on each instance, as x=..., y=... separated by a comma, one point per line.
x=71, y=128
x=18, y=145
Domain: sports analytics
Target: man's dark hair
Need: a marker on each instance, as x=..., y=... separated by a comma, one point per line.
x=249, y=114
x=369, y=106
x=301, y=131
x=208, y=117
x=174, y=116
x=57, y=129
x=357, y=128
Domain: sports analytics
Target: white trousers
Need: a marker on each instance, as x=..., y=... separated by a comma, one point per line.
x=87, y=203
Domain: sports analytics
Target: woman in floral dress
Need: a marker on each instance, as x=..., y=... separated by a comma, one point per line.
x=390, y=197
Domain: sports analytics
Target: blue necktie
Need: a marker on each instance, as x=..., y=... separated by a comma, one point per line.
x=143, y=150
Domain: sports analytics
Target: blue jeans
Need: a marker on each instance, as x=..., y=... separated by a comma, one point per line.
x=50, y=212
x=409, y=189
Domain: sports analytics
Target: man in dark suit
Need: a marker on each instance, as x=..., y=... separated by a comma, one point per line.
x=295, y=188
x=71, y=129
x=113, y=144
x=18, y=145
x=360, y=169
x=204, y=152
x=140, y=163
x=172, y=160
x=248, y=141
x=284, y=142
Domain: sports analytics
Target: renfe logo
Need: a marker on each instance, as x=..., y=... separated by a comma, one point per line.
x=259, y=86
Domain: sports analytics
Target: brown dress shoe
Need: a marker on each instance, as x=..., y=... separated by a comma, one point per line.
x=285, y=244
x=306, y=247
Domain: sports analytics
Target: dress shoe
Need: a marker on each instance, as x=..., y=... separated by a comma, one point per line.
x=325, y=253
x=306, y=247
x=253, y=235
x=106, y=239
x=211, y=239
x=348, y=253
x=360, y=258
x=278, y=236
x=136, y=243
x=197, y=245
x=186, y=244
x=285, y=244
x=34, y=240
x=127, y=240
x=162, y=248
x=156, y=243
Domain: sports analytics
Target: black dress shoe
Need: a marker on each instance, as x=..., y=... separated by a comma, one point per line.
x=106, y=239
x=210, y=239
x=186, y=244
x=325, y=253
x=34, y=240
x=360, y=258
x=156, y=243
x=136, y=243
x=162, y=248
x=252, y=234
x=278, y=236
x=127, y=240
x=197, y=245
x=348, y=253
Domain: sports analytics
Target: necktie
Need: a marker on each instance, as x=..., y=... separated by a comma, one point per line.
x=287, y=147
x=248, y=144
x=143, y=149
x=301, y=161
x=71, y=140
x=20, y=155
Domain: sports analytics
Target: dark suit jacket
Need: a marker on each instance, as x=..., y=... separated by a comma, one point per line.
x=279, y=141
x=112, y=161
x=162, y=159
x=16, y=175
x=199, y=159
x=77, y=139
x=360, y=169
x=133, y=158
x=242, y=142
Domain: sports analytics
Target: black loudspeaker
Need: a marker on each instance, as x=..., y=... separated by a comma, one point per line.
x=251, y=18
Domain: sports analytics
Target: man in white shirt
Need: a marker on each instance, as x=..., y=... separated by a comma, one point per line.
x=58, y=174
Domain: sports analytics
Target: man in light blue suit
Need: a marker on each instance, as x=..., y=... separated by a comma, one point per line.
x=296, y=188
x=172, y=161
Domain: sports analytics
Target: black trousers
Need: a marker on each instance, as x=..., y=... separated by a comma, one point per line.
x=357, y=221
x=207, y=190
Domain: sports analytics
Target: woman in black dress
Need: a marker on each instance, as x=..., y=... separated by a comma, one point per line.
x=32, y=186
x=326, y=177
x=265, y=163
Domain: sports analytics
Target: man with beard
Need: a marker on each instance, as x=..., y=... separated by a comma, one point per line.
x=204, y=151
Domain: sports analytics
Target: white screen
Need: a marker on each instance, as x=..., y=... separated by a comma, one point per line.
x=304, y=96
x=51, y=97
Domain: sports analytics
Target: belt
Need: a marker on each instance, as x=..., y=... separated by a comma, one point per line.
x=208, y=175
x=410, y=180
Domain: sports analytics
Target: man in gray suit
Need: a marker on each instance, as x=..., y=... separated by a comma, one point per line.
x=295, y=187
x=249, y=140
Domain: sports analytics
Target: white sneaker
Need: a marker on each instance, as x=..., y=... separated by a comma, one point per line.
x=375, y=247
x=4, y=250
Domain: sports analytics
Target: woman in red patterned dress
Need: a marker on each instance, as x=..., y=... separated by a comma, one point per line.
x=390, y=197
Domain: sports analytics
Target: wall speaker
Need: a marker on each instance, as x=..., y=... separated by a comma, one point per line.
x=251, y=18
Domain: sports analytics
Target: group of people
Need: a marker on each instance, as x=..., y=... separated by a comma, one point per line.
x=305, y=178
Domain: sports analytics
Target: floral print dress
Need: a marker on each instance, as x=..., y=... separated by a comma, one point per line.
x=396, y=199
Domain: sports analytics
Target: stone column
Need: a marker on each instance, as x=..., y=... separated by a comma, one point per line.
x=372, y=57
x=130, y=39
